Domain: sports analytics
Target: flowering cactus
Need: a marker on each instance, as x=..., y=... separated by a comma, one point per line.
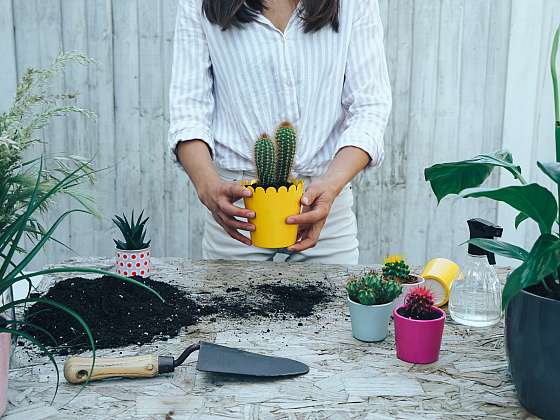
x=396, y=268
x=419, y=303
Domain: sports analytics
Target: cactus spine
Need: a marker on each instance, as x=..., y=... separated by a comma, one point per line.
x=265, y=160
x=285, y=151
x=274, y=159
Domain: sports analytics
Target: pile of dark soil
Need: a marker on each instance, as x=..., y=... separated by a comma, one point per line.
x=117, y=312
x=121, y=314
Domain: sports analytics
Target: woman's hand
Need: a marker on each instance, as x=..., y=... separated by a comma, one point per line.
x=319, y=197
x=317, y=202
x=219, y=197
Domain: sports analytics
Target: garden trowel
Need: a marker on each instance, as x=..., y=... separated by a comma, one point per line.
x=211, y=358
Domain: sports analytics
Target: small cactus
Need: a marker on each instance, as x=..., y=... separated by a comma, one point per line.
x=285, y=151
x=372, y=289
x=274, y=160
x=396, y=268
x=265, y=160
x=419, y=303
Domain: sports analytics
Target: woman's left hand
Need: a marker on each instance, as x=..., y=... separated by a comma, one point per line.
x=317, y=202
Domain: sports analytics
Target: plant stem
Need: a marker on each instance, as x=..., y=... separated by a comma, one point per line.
x=553, y=70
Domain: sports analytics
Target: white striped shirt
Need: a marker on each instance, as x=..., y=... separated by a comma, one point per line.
x=228, y=87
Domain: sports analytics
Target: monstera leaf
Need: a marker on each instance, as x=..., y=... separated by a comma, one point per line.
x=454, y=177
x=532, y=200
x=543, y=260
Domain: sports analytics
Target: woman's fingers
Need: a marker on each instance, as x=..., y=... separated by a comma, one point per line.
x=313, y=216
x=238, y=225
x=233, y=211
x=224, y=222
x=237, y=236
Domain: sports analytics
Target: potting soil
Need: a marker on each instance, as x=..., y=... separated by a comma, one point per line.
x=121, y=314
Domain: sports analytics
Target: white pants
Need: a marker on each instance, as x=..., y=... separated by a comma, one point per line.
x=338, y=242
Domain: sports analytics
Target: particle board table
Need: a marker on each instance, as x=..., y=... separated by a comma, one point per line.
x=347, y=378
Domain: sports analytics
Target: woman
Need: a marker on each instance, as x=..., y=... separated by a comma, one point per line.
x=241, y=68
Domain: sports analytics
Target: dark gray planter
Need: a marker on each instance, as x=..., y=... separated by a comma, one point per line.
x=533, y=343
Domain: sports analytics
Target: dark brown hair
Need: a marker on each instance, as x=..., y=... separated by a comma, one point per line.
x=315, y=14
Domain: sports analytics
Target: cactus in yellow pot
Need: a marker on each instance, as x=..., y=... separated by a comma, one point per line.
x=276, y=196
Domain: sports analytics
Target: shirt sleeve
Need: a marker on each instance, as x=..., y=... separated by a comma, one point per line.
x=366, y=95
x=191, y=100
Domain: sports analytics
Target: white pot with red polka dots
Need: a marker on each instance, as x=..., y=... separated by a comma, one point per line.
x=133, y=263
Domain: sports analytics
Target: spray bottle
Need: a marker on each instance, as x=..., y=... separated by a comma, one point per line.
x=475, y=300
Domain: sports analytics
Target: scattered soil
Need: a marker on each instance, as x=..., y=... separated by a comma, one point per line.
x=433, y=315
x=271, y=300
x=120, y=314
x=409, y=280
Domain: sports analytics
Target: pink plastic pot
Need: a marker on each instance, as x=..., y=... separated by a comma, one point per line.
x=5, y=347
x=418, y=341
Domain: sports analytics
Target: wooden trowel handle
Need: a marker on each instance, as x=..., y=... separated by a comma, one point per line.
x=76, y=369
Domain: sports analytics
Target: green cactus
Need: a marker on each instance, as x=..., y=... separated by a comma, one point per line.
x=265, y=160
x=285, y=151
x=274, y=160
x=398, y=270
x=372, y=289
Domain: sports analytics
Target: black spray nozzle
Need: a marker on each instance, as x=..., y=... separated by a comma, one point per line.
x=480, y=228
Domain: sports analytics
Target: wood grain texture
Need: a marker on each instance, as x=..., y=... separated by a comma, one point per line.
x=462, y=85
x=348, y=379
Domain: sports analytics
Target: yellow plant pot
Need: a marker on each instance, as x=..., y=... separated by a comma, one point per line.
x=272, y=207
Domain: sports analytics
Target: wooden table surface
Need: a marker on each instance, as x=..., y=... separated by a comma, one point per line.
x=347, y=378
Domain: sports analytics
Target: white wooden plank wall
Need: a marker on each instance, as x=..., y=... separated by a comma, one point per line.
x=458, y=70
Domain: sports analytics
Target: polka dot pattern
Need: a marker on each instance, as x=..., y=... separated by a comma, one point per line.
x=133, y=263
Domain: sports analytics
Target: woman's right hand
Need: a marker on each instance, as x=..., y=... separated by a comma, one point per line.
x=219, y=197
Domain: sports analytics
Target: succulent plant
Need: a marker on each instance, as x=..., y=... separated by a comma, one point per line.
x=396, y=268
x=372, y=289
x=419, y=303
x=134, y=232
x=274, y=159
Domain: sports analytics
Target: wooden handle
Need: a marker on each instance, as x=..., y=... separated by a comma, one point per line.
x=76, y=369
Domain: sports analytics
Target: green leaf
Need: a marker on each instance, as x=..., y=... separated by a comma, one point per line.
x=454, y=177
x=535, y=201
x=502, y=248
x=551, y=169
x=544, y=259
x=521, y=217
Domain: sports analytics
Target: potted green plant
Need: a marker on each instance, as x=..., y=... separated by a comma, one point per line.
x=276, y=195
x=418, y=327
x=133, y=254
x=531, y=295
x=396, y=268
x=371, y=301
x=11, y=271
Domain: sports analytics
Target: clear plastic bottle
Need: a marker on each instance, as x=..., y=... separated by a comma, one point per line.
x=475, y=299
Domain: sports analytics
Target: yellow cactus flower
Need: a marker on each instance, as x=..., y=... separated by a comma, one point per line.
x=393, y=259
